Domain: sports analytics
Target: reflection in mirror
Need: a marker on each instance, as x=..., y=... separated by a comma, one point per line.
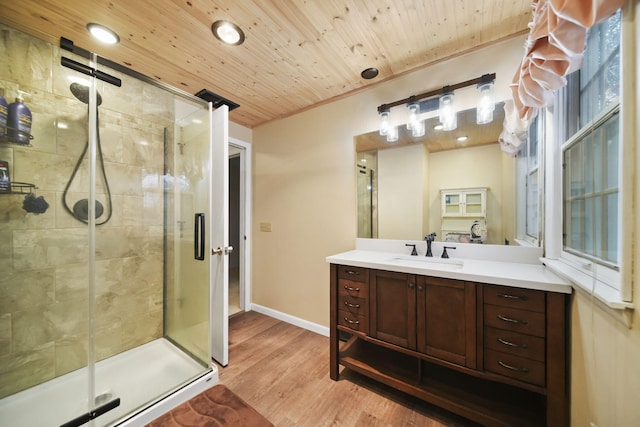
x=399, y=185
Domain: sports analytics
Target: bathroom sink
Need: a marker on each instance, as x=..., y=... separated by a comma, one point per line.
x=428, y=262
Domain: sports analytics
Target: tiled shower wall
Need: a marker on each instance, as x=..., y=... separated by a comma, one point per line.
x=44, y=324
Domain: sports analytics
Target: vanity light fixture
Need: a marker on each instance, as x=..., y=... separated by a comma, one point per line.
x=415, y=125
x=414, y=109
x=486, y=103
x=392, y=134
x=417, y=129
x=448, y=114
x=103, y=34
x=441, y=99
x=384, y=122
x=228, y=33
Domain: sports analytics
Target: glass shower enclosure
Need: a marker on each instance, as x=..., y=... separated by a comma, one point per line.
x=105, y=288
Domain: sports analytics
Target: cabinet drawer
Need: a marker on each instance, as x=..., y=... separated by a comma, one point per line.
x=352, y=321
x=515, y=367
x=353, y=305
x=525, y=299
x=514, y=343
x=356, y=274
x=354, y=289
x=526, y=322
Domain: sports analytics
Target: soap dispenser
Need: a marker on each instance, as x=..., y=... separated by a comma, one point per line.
x=19, y=121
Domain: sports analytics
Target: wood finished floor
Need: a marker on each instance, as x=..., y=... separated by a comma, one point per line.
x=283, y=372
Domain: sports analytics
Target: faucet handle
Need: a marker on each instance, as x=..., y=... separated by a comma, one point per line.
x=444, y=251
x=413, y=251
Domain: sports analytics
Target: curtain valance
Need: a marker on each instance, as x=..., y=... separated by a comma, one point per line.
x=554, y=48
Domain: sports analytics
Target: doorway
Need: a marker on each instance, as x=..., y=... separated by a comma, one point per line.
x=239, y=213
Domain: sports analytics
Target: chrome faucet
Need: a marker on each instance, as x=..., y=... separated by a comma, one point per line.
x=429, y=238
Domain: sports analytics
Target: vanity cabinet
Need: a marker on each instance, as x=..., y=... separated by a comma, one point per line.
x=393, y=308
x=353, y=298
x=491, y=353
x=447, y=320
x=434, y=316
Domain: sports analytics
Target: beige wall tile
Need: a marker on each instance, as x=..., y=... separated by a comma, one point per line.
x=25, y=290
x=5, y=334
x=19, y=371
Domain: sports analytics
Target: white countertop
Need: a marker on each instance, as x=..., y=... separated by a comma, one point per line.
x=516, y=274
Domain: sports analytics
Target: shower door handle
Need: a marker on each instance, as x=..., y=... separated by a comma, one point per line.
x=198, y=237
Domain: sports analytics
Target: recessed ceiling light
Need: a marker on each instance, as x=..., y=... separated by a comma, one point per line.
x=438, y=127
x=462, y=138
x=369, y=73
x=103, y=34
x=227, y=32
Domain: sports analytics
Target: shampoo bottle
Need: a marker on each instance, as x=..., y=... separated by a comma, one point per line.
x=19, y=121
x=3, y=116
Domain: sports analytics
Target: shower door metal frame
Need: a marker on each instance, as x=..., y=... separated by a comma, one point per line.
x=219, y=212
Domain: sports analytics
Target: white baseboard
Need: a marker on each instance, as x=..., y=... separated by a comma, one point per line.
x=296, y=321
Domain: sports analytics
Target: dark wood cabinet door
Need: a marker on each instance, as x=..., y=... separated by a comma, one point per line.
x=446, y=323
x=393, y=308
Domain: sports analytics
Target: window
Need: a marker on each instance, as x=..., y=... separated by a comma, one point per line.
x=529, y=183
x=591, y=156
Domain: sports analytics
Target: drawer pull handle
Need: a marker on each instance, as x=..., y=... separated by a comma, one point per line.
x=351, y=305
x=350, y=289
x=513, y=368
x=511, y=344
x=516, y=297
x=353, y=273
x=353, y=322
x=507, y=319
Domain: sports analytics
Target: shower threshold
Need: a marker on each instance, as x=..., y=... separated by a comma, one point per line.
x=136, y=377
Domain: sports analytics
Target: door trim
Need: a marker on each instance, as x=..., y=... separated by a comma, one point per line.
x=245, y=221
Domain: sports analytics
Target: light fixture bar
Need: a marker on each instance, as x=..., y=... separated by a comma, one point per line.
x=436, y=92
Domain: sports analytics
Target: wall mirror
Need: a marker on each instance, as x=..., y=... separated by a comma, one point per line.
x=399, y=184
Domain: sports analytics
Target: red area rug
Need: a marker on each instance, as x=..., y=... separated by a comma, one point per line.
x=215, y=407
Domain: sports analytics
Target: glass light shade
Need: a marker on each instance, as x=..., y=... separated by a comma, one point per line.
x=384, y=123
x=486, y=104
x=392, y=134
x=414, y=109
x=448, y=115
x=417, y=129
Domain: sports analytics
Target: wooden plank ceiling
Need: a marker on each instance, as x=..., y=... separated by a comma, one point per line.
x=297, y=53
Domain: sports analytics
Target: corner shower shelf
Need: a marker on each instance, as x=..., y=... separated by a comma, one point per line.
x=20, y=188
x=5, y=138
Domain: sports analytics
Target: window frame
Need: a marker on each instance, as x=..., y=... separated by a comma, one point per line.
x=523, y=171
x=596, y=279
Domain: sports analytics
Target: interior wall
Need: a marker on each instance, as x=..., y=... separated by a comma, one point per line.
x=401, y=191
x=466, y=168
x=305, y=184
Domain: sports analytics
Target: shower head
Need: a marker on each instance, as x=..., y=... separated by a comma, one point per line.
x=82, y=93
